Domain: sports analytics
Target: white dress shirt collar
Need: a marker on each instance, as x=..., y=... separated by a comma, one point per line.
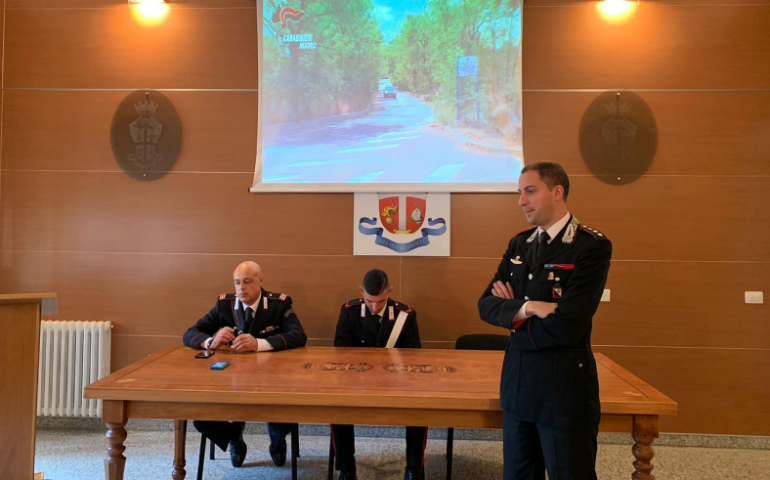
x=254, y=306
x=555, y=228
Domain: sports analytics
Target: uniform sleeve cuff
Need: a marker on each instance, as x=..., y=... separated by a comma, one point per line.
x=520, y=317
x=263, y=345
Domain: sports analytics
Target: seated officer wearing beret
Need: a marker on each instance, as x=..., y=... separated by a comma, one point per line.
x=251, y=320
x=376, y=320
x=545, y=293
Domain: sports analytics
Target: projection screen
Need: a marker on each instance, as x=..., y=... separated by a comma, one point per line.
x=396, y=95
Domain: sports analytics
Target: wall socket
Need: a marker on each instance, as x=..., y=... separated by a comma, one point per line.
x=755, y=297
x=606, y=295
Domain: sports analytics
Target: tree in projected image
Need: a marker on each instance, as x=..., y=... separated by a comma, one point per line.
x=423, y=58
x=338, y=76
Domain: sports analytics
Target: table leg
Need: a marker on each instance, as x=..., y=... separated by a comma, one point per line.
x=645, y=431
x=114, y=415
x=180, y=437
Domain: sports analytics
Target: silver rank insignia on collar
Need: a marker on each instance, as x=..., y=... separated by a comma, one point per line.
x=570, y=231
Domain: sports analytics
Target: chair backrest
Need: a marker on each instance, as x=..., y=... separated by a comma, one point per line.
x=481, y=341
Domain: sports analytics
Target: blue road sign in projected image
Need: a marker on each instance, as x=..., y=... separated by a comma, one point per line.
x=363, y=95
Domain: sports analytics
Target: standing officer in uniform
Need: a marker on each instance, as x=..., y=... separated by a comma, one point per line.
x=546, y=291
x=252, y=320
x=376, y=320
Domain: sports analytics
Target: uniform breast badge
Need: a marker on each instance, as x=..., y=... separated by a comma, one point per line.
x=557, y=291
x=517, y=260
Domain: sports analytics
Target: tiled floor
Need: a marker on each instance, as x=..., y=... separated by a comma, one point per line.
x=78, y=455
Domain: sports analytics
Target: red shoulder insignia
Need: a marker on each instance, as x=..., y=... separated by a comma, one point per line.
x=403, y=307
x=354, y=302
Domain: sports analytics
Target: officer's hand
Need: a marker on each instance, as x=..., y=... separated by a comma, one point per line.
x=224, y=335
x=501, y=290
x=245, y=343
x=540, y=309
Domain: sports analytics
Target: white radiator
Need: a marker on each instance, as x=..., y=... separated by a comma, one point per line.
x=72, y=356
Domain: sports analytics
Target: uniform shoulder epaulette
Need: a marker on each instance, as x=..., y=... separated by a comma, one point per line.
x=226, y=296
x=403, y=307
x=354, y=302
x=276, y=296
x=591, y=231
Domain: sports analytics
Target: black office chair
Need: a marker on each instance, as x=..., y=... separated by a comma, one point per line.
x=294, y=453
x=476, y=341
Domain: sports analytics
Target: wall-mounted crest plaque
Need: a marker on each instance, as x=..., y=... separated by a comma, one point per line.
x=146, y=134
x=618, y=137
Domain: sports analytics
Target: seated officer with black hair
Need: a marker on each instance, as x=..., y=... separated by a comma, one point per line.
x=251, y=320
x=376, y=320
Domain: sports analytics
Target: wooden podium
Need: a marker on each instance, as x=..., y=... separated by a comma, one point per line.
x=19, y=345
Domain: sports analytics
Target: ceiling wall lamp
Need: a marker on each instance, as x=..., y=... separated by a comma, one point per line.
x=149, y=11
x=617, y=9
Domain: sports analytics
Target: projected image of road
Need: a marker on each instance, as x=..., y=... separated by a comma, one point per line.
x=385, y=91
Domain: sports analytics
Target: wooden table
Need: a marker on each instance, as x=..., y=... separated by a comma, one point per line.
x=435, y=388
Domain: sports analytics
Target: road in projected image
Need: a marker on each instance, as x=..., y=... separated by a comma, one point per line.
x=394, y=142
x=390, y=91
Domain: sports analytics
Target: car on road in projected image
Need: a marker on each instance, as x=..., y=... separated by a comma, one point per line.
x=389, y=91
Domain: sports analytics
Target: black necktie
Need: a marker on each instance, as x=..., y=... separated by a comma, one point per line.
x=542, y=242
x=247, y=317
x=376, y=321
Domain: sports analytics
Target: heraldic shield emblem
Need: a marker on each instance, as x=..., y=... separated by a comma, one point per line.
x=399, y=223
x=618, y=137
x=146, y=134
x=402, y=214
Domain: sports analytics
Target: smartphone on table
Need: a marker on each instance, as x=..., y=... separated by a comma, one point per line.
x=205, y=354
x=219, y=366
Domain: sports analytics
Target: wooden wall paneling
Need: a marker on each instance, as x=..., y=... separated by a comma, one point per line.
x=61, y=130
x=193, y=48
x=718, y=391
x=174, y=4
x=673, y=304
x=483, y=224
x=689, y=239
x=660, y=47
x=678, y=3
x=678, y=218
x=683, y=304
x=220, y=131
x=221, y=53
x=2, y=165
x=164, y=294
x=445, y=293
x=700, y=133
x=178, y=213
x=655, y=218
x=127, y=349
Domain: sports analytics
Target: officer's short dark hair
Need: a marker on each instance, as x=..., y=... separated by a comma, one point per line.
x=551, y=173
x=375, y=282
